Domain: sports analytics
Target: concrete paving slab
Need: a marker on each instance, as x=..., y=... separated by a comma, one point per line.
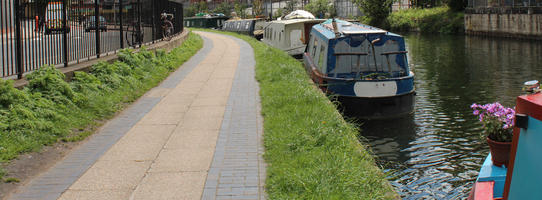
x=202, y=123
x=157, y=117
x=170, y=186
x=210, y=100
x=192, y=139
x=112, y=175
x=183, y=160
x=96, y=194
x=143, y=142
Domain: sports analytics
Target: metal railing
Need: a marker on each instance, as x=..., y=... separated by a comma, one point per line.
x=63, y=32
x=504, y=3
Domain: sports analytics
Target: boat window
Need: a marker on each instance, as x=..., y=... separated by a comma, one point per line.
x=309, y=46
x=351, y=56
x=248, y=23
x=280, y=36
x=321, y=57
x=313, y=53
x=357, y=55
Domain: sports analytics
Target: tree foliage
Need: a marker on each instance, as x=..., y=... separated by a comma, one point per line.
x=240, y=10
x=290, y=6
x=224, y=8
x=376, y=10
x=257, y=7
x=319, y=8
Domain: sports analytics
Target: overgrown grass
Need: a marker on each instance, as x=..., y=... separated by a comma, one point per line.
x=429, y=20
x=311, y=151
x=50, y=109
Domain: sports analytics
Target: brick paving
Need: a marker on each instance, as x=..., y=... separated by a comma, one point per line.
x=197, y=135
x=238, y=169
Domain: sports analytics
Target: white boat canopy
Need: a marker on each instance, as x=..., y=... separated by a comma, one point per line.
x=299, y=14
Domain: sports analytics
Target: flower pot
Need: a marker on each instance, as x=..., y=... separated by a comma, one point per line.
x=500, y=152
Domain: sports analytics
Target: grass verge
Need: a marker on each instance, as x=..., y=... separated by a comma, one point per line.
x=428, y=20
x=50, y=109
x=311, y=151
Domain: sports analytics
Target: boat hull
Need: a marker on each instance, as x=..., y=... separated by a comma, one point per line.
x=377, y=107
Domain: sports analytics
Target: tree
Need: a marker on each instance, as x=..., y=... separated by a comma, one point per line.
x=457, y=5
x=376, y=10
x=224, y=8
x=257, y=8
x=319, y=8
x=290, y=6
x=202, y=6
x=240, y=10
x=191, y=11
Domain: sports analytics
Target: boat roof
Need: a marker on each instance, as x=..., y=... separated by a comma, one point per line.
x=348, y=28
x=239, y=19
x=294, y=21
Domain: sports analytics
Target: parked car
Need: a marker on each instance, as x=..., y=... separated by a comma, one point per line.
x=90, y=24
x=53, y=18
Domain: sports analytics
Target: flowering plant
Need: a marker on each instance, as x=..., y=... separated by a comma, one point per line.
x=498, y=120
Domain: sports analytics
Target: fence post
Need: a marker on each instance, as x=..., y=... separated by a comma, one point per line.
x=18, y=47
x=65, y=29
x=139, y=25
x=120, y=22
x=153, y=22
x=97, y=23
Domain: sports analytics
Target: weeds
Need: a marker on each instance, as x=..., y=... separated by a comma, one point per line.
x=50, y=109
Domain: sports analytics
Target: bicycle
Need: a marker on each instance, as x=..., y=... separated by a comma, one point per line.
x=167, y=26
x=134, y=34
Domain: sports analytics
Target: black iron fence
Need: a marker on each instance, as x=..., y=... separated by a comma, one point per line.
x=63, y=32
x=505, y=3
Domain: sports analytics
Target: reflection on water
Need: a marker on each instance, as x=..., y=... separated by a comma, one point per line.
x=436, y=152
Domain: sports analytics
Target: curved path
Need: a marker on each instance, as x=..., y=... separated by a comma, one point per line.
x=196, y=136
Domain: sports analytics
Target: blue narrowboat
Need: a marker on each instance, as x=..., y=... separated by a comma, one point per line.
x=365, y=67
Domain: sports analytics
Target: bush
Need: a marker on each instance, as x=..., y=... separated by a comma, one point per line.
x=431, y=20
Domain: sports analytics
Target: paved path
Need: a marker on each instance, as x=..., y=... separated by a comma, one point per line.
x=196, y=136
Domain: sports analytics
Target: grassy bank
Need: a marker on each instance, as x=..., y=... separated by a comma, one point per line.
x=311, y=152
x=429, y=20
x=50, y=109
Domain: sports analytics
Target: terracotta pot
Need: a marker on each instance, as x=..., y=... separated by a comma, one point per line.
x=500, y=152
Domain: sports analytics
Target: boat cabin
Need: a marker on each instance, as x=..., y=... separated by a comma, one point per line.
x=242, y=26
x=356, y=51
x=205, y=21
x=289, y=35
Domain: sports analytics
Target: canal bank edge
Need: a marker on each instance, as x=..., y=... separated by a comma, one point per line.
x=87, y=65
x=311, y=151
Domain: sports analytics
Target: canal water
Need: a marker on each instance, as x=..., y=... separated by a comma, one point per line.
x=436, y=152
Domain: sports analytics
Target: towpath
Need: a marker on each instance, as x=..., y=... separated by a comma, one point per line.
x=196, y=136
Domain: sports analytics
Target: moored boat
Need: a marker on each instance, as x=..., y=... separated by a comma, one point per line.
x=251, y=27
x=290, y=33
x=215, y=21
x=365, y=67
x=521, y=178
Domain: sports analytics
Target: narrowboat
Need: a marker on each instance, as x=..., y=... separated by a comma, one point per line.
x=244, y=26
x=521, y=178
x=290, y=35
x=215, y=21
x=365, y=67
